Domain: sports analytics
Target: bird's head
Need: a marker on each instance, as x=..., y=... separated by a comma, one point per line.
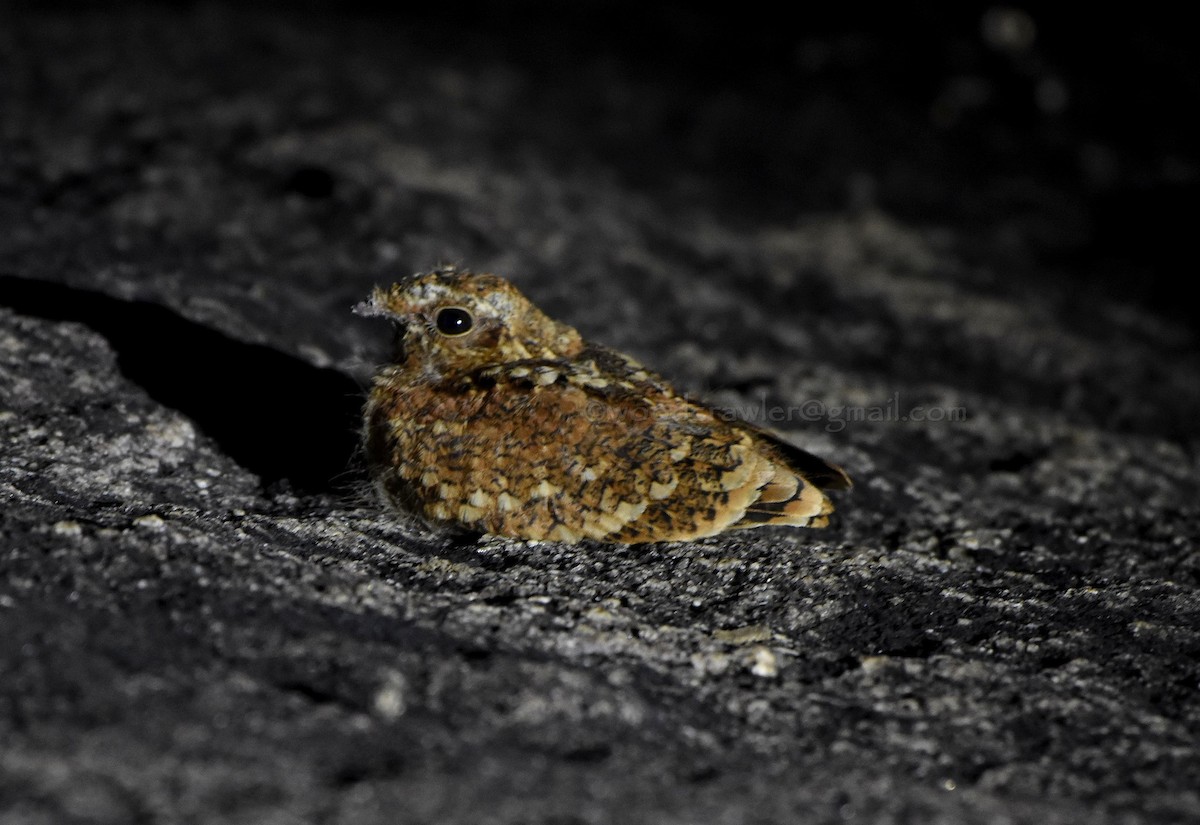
x=450, y=321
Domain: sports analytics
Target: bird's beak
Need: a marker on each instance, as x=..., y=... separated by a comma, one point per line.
x=374, y=307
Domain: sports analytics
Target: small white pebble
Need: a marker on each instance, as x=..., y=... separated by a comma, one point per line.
x=150, y=522
x=875, y=664
x=68, y=528
x=766, y=665
x=388, y=702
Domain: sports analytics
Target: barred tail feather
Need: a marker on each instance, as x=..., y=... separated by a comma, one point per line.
x=787, y=498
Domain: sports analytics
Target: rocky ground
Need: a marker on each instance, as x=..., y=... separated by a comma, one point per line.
x=927, y=242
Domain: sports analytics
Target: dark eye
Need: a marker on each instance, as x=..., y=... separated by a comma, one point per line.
x=454, y=321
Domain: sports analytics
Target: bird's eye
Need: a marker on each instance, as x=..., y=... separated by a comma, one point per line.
x=454, y=321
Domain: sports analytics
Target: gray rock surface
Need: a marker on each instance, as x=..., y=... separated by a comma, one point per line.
x=206, y=617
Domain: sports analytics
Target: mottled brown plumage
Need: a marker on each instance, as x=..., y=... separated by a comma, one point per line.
x=498, y=419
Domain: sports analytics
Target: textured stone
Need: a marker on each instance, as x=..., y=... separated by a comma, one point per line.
x=206, y=616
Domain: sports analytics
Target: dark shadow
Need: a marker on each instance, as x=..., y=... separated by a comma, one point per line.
x=276, y=415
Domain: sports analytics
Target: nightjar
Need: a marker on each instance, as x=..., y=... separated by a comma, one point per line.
x=497, y=419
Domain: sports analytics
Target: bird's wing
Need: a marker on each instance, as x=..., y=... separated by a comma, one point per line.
x=584, y=448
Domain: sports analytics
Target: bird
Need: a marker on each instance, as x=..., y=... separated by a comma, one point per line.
x=493, y=418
